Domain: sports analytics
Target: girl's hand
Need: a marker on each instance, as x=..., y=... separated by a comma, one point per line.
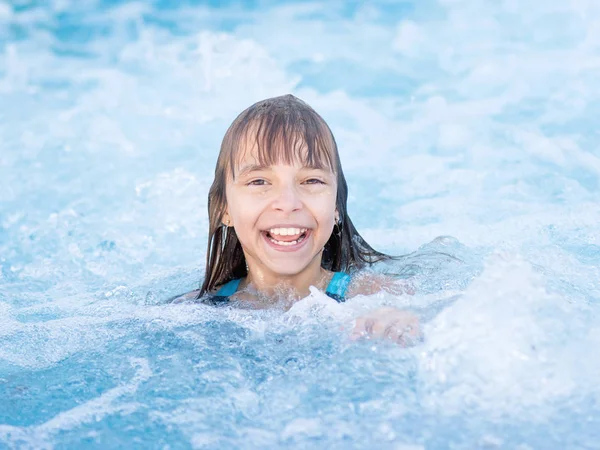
x=401, y=327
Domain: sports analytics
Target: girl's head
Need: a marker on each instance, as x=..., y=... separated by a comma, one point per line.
x=278, y=200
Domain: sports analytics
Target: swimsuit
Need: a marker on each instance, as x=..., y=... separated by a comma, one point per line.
x=336, y=289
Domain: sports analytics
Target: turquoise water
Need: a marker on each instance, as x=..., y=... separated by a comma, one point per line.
x=470, y=120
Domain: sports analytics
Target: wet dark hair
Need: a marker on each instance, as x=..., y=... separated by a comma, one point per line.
x=285, y=130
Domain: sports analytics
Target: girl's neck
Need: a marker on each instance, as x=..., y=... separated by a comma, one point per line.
x=270, y=284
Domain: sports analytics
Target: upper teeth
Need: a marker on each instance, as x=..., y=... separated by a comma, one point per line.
x=287, y=231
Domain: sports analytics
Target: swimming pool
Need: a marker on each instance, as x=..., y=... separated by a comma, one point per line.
x=469, y=136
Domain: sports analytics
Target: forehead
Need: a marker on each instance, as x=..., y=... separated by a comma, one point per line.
x=258, y=148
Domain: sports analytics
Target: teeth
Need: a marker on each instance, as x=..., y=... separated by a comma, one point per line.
x=286, y=231
x=284, y=243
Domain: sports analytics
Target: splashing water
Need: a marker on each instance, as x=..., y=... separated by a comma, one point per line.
x=454, y=118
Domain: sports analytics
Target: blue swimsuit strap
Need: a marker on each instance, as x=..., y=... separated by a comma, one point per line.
x=336, y=289
x=229, y=288
x=338, y=285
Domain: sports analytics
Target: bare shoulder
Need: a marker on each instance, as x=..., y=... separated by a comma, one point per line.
x=190, y=296
x=369, y=283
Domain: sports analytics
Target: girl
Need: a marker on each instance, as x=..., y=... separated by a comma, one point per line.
x=278, y=220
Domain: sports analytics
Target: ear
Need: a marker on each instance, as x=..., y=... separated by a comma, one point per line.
x=226, y=219
x=337, y=216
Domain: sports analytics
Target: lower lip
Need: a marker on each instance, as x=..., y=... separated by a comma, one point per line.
x=286, y=248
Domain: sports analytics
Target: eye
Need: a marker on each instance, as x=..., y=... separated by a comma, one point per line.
x=314, y=181
x=257, y=182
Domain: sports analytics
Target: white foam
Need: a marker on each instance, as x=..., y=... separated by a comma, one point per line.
x=502, y=347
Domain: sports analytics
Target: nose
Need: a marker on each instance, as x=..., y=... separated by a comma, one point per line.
x=287, y=199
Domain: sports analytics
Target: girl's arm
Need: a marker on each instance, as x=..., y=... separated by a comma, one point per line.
x=368, y=283
x=401, y=327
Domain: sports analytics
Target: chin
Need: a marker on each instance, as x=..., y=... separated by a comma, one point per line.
x=288, y=269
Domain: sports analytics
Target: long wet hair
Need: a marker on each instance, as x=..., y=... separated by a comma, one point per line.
x=284, y=129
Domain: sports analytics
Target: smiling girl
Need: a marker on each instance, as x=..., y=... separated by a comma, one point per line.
x=279, y=222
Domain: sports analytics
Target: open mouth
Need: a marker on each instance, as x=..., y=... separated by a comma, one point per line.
x=286, y=237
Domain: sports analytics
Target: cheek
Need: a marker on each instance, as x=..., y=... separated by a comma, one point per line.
x=324, y=209
x=244, y=211
x=244, y=218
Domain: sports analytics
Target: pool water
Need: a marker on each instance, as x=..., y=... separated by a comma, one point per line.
x=468, y=133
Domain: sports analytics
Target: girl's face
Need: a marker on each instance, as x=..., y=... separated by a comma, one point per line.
x=283, y=214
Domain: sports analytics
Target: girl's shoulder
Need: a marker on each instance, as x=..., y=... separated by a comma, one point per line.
x=369, y=283
x=223, y=290
x=190, y=296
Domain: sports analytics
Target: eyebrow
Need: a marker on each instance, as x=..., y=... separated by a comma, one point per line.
x=260, y=167
x=317, y=166
x=251, y=168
